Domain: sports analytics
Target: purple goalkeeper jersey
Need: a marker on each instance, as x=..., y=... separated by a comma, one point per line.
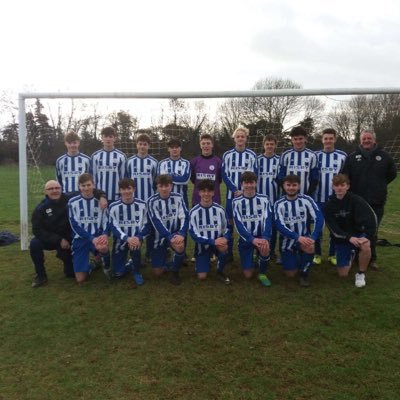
x=206, y=168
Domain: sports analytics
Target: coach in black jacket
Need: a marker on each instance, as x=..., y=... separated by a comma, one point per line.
x=370, y=170
x=52, y=231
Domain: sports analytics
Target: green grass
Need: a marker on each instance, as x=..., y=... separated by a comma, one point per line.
x=201, y=340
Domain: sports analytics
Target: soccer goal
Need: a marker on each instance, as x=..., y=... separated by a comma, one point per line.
x=45, y=117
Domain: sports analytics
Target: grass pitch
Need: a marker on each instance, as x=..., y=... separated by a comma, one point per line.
x=200, y=340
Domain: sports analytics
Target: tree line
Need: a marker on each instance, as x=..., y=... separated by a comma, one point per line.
x=185, y=120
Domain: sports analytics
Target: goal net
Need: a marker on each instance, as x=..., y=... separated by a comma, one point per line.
x=44, y=118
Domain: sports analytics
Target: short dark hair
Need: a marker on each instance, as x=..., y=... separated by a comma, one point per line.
x=330, y=131
x=270, y=138
x=71, y=136
x=164, y=179
x=248, y=176
x=340, y=179
x=143, y=138
x=206, y=184
x=298, y=131
x=174, y=142
x=206, y=136
x=85, y=177
x=124, y=183
x=291, y=179
x=108, y=131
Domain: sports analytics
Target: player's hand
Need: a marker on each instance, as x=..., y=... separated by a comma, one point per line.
x=134, y=243
x=221, y=244
x=237, y=193
x=103, y=203
x=101, y=243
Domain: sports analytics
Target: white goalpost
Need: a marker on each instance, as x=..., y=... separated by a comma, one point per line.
x=23, y=143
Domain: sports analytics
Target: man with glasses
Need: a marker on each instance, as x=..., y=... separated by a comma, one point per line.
x=52, y=231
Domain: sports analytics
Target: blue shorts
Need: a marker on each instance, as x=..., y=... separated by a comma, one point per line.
x=81, y=249
x=295, y=260
x=246, y=251
x=203, y=260
x=345, y=253
x=159, y=255
x=290, y=260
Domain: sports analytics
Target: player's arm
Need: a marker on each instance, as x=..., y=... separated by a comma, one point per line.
x=58, y=174
x=336, y=231
x=314, y=175
x=145, y=225
x=183, y=216
x=280, y=223
x=317, y=217
x=282, y=170
x=227, y=227
x=156, y=219
x=226, y=178
x=185, y=177
x=267, y=229
x=391, y=171
x=240, y=227
x=115, y=227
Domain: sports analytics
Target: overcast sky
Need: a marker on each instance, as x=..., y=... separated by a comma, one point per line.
x=149, y=45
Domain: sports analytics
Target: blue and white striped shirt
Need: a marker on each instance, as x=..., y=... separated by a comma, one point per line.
x=234, y=163
x=128, y=220
x=108, y=168
x=253, y=217
x=68, y=169
x=268, y=168
x=301, y=163
x=208, y=224
x=293, y=218
x=86, y=217
x=180, y=172
x=143, y=171
x=329, y=165
x=168, y=216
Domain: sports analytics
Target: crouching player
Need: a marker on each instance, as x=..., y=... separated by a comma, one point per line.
x=169, y=216
x=209, y=229
x=252, y=214
x=89, y=224
x=294, y=214
x=129, y=225
x=352, y=223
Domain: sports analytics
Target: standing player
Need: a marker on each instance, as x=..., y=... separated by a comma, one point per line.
x=300, y=161
x=234, y=163
x=210, y=230
x=206, y=166
x=108, y=165
x=252, y=214
x=129, y=224
x=353, y=224
x=330, y=163
x=294, y=213
x=169, y=216
x=268, y=167
x=89, y=224
x=177, y=167
x=72, y=164
x=142, y=168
